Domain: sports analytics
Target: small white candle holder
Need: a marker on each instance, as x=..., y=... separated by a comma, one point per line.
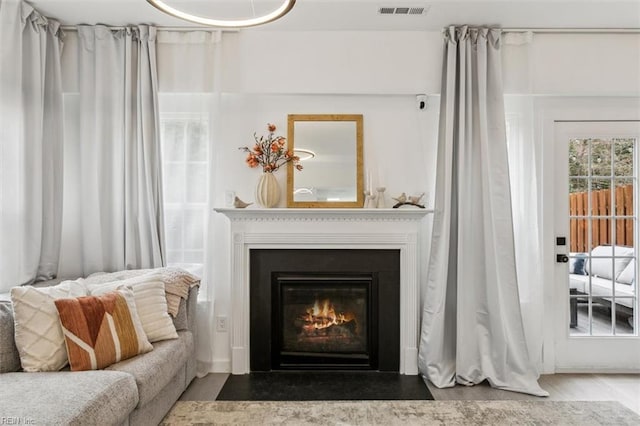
x=380, y=198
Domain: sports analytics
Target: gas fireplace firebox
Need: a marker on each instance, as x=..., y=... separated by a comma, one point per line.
x=324, y=309
x=323, y=321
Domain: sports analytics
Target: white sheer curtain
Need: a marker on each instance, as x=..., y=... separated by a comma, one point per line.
x=31, y=133
x=523, y=168
x=113, y=214
x=189, y=102
x=472, y=326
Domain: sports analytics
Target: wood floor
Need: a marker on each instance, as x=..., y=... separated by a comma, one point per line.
x=624, y=388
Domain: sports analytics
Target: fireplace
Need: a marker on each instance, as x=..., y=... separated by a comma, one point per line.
x=323, y=309
x=321, y=321
x=401, y=231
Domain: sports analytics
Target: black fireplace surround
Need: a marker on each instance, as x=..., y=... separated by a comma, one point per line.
x=324, y=309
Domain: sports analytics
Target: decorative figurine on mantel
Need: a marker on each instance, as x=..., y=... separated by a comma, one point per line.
x=369, y=200
x=239, y=204
x=414, y=200
x=401, y=198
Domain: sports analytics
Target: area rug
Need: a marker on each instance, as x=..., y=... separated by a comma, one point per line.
x=323, y=386
x=403, y=413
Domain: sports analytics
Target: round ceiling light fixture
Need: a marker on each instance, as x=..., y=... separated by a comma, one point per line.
x=282, y=10
x=304, y=154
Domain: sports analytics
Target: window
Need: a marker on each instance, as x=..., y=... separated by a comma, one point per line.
x=602, y=230
x=185, y=151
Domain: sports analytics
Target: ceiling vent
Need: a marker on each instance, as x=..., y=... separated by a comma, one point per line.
x=402, y=10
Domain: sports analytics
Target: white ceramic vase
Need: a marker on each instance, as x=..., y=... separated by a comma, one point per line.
x=267, y=191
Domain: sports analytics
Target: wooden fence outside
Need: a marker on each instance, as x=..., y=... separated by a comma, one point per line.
x=601, y=226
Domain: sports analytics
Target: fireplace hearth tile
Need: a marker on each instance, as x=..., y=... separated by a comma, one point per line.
x=323, y=386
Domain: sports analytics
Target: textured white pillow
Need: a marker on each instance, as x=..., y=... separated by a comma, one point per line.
x=151, y=304
x=38, y=334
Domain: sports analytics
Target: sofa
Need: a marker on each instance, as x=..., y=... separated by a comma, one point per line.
x=136, y=391
x=601, y=275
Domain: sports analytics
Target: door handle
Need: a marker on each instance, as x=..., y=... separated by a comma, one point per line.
x=562, y=258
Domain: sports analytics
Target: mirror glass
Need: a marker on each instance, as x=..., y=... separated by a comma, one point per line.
x=330, y=150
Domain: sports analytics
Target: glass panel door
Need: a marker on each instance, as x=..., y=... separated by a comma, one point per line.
x=596, y=169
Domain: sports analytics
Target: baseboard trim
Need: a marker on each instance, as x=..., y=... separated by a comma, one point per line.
x=596, y=370
x=221, y=366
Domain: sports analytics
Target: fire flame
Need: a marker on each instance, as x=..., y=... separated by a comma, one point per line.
x=323, y=315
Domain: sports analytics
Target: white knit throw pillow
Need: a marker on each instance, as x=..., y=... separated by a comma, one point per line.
x=38, y=334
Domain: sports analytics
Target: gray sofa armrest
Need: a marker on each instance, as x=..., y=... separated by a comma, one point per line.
x=192, y=304
x=186, y=318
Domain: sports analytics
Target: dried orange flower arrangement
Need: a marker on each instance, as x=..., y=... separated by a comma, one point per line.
x=270, y=152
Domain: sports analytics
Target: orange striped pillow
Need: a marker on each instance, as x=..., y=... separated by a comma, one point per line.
x=101, y=330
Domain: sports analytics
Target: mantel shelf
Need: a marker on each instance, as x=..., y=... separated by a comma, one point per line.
x=307, y=214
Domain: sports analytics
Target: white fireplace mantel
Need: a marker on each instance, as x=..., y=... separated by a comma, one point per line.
x=398, y=229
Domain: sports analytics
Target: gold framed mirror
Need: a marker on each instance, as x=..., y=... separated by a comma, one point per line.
x=330, y=150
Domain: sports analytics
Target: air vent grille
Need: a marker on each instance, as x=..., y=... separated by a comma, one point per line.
x=403, y=10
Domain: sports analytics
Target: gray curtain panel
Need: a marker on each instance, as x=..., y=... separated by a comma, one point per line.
x=31, y=136
x=472, y=325
x=114, y=210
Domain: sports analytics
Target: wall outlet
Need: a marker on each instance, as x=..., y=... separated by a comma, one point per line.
x=221, y=323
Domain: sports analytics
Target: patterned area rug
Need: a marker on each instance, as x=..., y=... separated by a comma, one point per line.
x=401, y=413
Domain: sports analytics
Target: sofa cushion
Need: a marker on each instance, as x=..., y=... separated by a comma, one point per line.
x=64, y=397
x=151, y=304
x=101, y=330
x=154, y=370
x=601, y=267
x=577, y=262
x=38, y=334
x=601, y=287
x=9, y=357
x=628, y=274
x=177, y=282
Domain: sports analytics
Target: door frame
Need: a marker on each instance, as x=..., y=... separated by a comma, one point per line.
x=547, y=111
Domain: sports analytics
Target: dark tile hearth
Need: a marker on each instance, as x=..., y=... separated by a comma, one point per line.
x=323, y=386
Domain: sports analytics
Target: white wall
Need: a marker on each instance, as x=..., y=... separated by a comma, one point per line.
x=587, y=64
x=410, y=62
x=325, y=62
x=574, y=65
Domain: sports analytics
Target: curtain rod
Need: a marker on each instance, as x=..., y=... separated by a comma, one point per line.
x=506, y=30
x=573, y=30
x=177, y=29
